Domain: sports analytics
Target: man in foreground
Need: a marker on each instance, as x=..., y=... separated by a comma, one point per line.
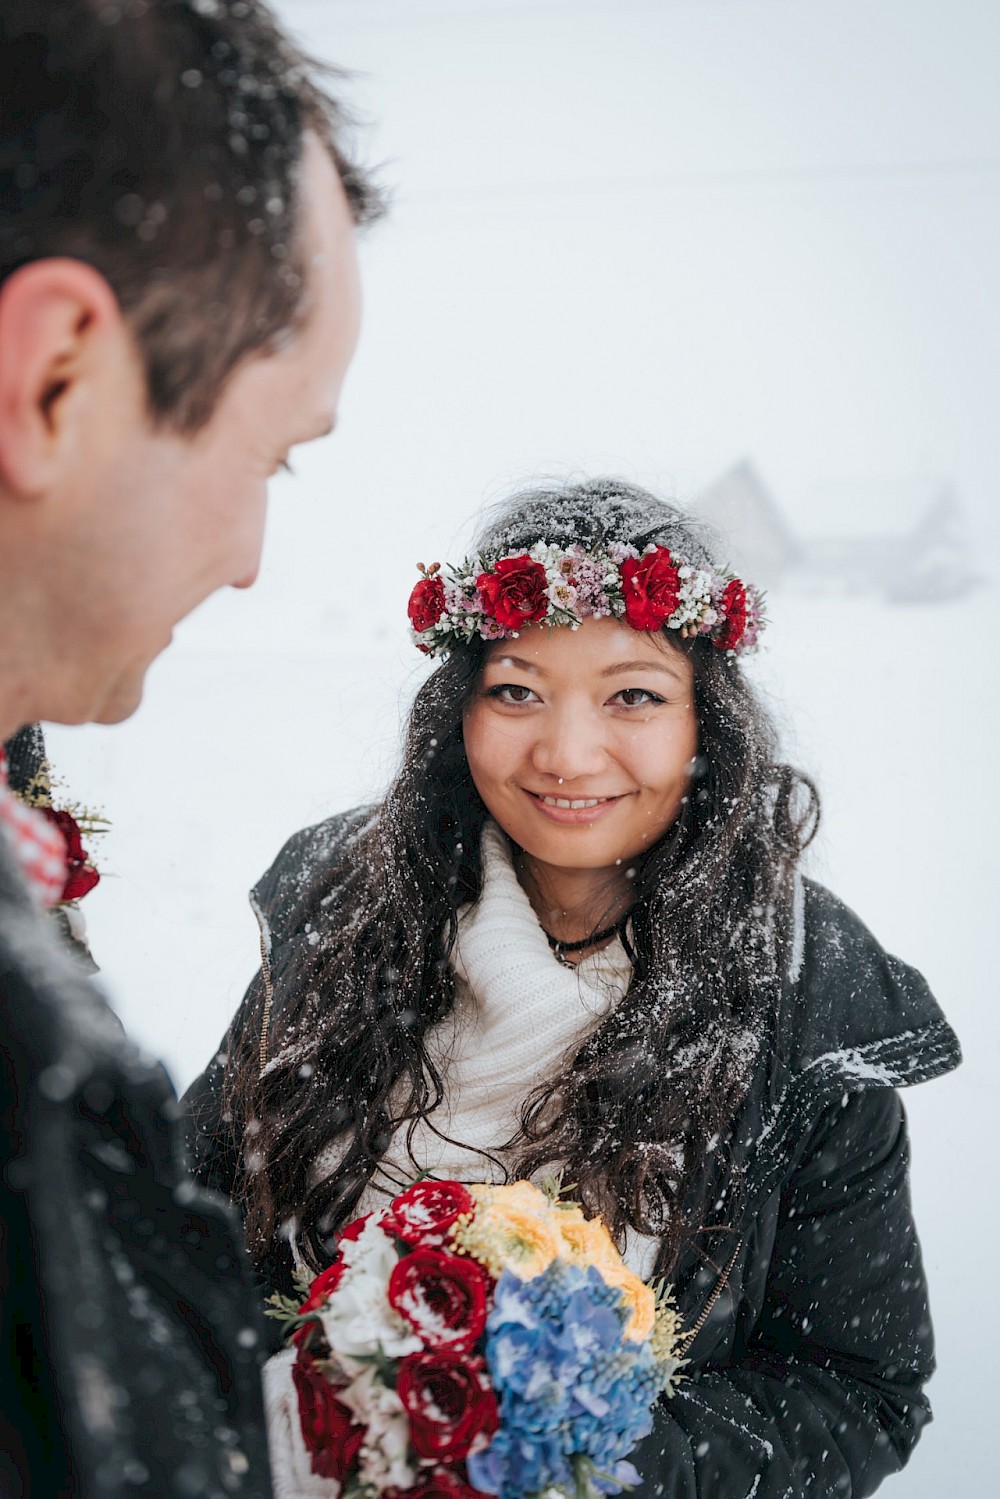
x=178, y=306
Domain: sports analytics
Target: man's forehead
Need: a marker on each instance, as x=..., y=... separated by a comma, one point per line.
x=325, y=219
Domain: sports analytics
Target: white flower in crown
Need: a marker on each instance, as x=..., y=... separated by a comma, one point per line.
x=563, y=595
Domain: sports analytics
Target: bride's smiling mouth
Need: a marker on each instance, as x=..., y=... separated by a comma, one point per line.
x=566, y=809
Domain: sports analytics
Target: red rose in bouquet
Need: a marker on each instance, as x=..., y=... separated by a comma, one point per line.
x=450, y=1404
x=425, y=1212
x=328, y=1428
x=442, y=1296
x=427, y=602
x=651, y=585
x=514, y=593
x=734, y=609
x=326, y=1282
x=443, y=1483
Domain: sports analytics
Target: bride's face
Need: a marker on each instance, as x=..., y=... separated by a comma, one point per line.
x=580, y=742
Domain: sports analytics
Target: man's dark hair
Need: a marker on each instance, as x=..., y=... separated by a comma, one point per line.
x=160, y=141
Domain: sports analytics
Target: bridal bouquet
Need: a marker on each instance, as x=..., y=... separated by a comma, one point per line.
x=478, y=1338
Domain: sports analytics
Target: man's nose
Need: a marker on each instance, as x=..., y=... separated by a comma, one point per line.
x=570, y=745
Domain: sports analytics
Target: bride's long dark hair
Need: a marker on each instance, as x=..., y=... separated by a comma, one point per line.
x=633, y=1117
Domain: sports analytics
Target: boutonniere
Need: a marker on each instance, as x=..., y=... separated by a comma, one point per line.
x=78, y=825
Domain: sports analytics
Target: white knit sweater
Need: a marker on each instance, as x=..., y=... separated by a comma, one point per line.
x=518, y=1015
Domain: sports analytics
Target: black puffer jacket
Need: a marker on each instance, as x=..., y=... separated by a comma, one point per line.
x=807, y=1370
x=129, y=1322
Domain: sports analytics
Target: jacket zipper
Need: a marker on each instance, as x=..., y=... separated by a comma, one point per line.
x=706, y=1311
x=265, y=973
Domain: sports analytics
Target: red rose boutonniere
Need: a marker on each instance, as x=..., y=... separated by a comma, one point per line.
x=81, y=875
x=75, y=823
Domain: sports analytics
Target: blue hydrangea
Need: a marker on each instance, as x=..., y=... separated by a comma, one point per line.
x=567, y=1383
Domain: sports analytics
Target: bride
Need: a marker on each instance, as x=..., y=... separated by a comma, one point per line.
x=574, y=936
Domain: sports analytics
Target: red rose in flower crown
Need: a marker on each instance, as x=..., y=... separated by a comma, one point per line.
x=514, y=593
x=425, y=1212
x=81, y=875
x=450, y=1404
x=427, y=601
x=734, y=610
x=328, y=1428
x=442, y=1296
x=651, y=585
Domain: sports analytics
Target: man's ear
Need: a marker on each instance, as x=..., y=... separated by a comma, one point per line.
x=59, y=319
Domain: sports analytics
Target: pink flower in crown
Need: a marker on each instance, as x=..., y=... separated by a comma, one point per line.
x=755, y=619
x=563, y=596
x=589, y=576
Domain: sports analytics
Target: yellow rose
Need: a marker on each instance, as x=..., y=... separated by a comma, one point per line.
x=638, y=1299
x=522, y=1196
x=589, y=1243
x=511, y=1230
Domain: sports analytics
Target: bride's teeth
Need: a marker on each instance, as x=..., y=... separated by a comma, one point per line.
x=561, y=801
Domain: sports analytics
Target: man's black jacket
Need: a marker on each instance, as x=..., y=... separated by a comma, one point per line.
x=130, y=1341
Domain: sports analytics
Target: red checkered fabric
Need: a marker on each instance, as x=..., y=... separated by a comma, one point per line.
x=37, y=844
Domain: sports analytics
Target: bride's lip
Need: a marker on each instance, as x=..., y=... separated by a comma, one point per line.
x=577, y=809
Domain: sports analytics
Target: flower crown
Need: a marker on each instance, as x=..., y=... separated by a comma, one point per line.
x=651, y=590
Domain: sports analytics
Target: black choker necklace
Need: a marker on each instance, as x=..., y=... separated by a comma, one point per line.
x=559, y=947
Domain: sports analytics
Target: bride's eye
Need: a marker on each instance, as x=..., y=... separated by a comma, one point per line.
x=510, y=692
x=636, y=697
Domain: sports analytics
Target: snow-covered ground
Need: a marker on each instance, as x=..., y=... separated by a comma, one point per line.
x=649, y=239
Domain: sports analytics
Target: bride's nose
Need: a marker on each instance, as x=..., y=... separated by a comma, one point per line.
x=569, y=746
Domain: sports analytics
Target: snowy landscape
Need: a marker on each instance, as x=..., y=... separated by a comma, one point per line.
x=659, y=240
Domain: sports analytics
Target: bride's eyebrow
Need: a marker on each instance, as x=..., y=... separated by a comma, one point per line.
x=625, y=668
x=502, y=662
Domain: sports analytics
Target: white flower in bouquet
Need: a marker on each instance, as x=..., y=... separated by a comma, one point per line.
x=358, y=1320
x=382, y=1459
